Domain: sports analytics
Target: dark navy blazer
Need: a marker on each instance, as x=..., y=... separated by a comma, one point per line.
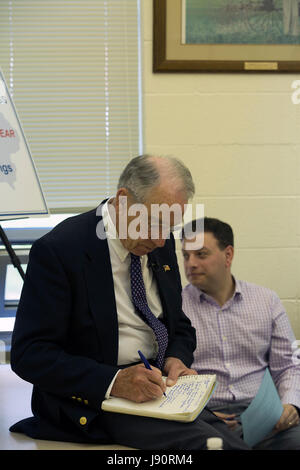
x=65, y=340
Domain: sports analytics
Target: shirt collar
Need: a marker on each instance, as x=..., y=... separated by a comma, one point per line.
x=236, y=294
x=111, y=233
x=238, y=287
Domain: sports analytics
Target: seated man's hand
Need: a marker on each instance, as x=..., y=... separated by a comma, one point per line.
x=138, y=384
x=288, y=418
x=228, y=419
x=175, y=368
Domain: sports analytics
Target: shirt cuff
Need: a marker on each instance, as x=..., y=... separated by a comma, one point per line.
x=107, y=394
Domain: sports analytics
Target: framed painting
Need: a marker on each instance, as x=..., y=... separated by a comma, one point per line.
x=226, y=36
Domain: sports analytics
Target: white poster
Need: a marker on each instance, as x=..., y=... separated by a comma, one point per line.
x=20, y=190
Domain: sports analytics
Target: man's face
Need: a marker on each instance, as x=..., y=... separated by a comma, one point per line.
x=207, y=266
x=148, y=225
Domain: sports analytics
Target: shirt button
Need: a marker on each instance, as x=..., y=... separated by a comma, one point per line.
x=83, y=420
x=227, y=364
x=224, y=338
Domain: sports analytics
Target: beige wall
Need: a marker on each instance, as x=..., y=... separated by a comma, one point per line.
x=240, y=137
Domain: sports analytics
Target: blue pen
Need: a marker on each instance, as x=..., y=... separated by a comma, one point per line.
x=146, y=364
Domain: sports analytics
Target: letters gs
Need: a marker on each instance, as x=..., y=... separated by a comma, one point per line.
x=6, y=169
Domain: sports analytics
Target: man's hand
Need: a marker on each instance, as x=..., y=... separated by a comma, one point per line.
x=228, y=419
x=288, y=418
x=175, y=368
x=136, y=383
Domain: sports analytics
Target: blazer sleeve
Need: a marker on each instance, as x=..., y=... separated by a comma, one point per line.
x=41, y=353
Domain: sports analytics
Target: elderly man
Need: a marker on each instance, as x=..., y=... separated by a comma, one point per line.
x=99, y=287
x=241, y=330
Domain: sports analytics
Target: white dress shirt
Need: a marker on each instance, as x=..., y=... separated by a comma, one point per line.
x=134, y=333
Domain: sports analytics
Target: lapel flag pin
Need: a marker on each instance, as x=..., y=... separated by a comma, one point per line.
x=166, y=267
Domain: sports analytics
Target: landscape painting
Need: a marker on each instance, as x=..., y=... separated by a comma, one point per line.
x=241, y=22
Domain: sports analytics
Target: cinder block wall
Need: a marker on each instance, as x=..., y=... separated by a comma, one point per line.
x=240, y=136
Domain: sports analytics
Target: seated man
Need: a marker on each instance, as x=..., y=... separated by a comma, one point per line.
x=241, y=330
x=95, y=294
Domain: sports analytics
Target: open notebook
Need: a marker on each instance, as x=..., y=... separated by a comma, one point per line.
x=183, y=402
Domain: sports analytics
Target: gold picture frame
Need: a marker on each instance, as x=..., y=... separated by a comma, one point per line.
x=171, y=55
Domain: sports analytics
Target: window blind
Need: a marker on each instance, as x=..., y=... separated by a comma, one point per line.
x=72, y=67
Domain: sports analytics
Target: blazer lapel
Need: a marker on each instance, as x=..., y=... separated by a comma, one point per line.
x=159, y=273
x=100, y=287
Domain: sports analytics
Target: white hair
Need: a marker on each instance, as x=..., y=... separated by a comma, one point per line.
x=144, y=172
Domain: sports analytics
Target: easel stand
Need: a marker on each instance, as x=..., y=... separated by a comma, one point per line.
x=14, y=259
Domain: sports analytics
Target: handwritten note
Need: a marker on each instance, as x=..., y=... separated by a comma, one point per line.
x=184, y=396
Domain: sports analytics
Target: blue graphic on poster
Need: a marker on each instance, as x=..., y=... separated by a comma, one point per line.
x=20, y=190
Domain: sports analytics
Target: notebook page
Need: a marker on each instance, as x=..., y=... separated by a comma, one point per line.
x=186, y=394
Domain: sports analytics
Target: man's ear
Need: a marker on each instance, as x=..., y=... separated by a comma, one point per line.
x=121, y=199
x=229, y=252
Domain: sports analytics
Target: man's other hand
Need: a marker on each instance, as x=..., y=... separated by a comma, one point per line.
x=288, y=418
x=175, y=368
x=228, y=419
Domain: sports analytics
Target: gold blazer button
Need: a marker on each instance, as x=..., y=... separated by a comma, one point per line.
x=83, y=420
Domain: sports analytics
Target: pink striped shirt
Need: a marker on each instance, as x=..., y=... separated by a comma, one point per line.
x=240, y=339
